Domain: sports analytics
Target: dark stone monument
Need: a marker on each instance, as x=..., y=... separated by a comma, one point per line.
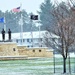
x=9, y=35
x=3, y=35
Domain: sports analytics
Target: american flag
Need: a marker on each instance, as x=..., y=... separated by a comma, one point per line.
x=16, y=9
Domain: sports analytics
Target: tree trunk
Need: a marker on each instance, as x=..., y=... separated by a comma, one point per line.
x=64, y=65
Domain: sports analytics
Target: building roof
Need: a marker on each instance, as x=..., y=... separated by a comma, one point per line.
x=27, y=35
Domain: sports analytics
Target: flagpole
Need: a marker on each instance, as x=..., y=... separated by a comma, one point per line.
x=21, y=25
x=32, y=33
x=21, y=34
x=4, y=24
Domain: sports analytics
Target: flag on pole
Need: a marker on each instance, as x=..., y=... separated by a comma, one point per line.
x=2, y=20
x=16, y=9
x=34, y=17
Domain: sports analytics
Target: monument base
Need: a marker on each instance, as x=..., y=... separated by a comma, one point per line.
x=8, y=49
x=13, y=57
x=5, y=40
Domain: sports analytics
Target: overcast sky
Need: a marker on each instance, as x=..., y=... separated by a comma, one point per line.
x=28, y=5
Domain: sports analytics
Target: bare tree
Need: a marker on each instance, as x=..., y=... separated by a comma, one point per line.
x=64, y=29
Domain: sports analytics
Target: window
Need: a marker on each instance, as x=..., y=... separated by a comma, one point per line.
x=33, y=50
x=27, y=40
x=39, y=50
x=23, y=40
x=28, y=46
x=17, y=40
x=32, y=46
x=40, y=39
x=31, y=40
x=14, y=49
x=41, y=45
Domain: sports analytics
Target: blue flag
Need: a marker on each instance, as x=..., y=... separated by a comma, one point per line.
x=2, y=20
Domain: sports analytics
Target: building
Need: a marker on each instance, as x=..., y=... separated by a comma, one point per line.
x=10, y=51
x=29, y=39
x=24, y=45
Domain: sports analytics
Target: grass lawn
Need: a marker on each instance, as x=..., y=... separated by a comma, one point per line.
x=40, y=66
